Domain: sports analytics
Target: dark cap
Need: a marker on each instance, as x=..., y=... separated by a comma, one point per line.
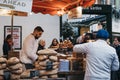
x=102, y=34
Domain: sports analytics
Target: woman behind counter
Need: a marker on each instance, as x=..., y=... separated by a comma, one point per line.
x=54, y=44
x=7, y=45
x=41, y=44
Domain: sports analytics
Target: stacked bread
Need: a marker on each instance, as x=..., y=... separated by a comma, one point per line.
x=47, y=63
x=15, y=67
x=3, y=65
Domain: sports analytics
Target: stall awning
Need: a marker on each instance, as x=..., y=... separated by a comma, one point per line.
x=53, y=6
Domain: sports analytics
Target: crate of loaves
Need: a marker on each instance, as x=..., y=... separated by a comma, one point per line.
x=47, y=63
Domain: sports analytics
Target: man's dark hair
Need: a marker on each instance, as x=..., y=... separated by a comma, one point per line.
x=38, y=28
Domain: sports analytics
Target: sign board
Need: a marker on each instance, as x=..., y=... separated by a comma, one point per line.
x=97, y=9
x=75, y=13
x=17, y=5
x=17, y=36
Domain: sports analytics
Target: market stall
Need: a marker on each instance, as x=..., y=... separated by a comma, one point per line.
x=51, y=63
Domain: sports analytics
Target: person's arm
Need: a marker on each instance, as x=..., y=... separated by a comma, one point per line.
x=115, y=63
x=5, y=48
x=30, y=47
x=80, y=48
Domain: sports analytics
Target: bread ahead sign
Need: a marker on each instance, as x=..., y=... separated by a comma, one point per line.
x=18, y=5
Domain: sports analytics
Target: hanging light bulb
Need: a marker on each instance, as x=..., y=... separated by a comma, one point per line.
x=75, y=13
x=79, y=11
x=4, y=12
x=60, y=12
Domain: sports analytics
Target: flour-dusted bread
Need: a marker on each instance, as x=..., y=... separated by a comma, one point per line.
x=3, y=60
x=44, y=77
x=15, y=77
x=19, y=71
x=43, y=63
x=3, y=66
x=13, y=60
x=55, y=66
x=56, y=63
x=42, y=57
x=53, y=58
x=25, y=74
x=53, y=76
x=15, y=66
x=47, y=51
x=49, y=72
x=1, y=72
x=40, y=67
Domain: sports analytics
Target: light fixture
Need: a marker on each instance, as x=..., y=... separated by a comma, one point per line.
x=79, y=11
x=4, y=12
x=75, y=13
x=61, y=12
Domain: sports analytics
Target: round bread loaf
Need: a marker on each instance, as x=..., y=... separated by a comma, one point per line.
x=3, y=66
x=15, y=66
x=13, y=60
x=54, y=76
x=47, y=52
x=44, y=77
x=53, y=58
x=15, y=77
x=50, y=72
x=19, y=71
x=3, y=60
x=42, y=57
x=1, y=72
x=25, y=74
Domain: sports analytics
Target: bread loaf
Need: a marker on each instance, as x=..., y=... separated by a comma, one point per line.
x=15, y=66
x=55, y=66
x=43, y=63
x=3, y=66
x=13, y=60
x=40, y=67
x=54, y=76
x=50, y=72
x=53, y=58
x=3, y=60
x=56, y=63
x=25, y=74
x=19, y=71
x=1, y=72
x=47, y=51
x=42, y=57
x=44, y=77
x=15, y=77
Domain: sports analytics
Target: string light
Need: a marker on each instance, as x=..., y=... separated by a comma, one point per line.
x=4, y=12
x=61, y=12
x=75, y=13
x=79, y=11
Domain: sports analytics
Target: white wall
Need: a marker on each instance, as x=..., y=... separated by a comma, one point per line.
x=50, y=24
